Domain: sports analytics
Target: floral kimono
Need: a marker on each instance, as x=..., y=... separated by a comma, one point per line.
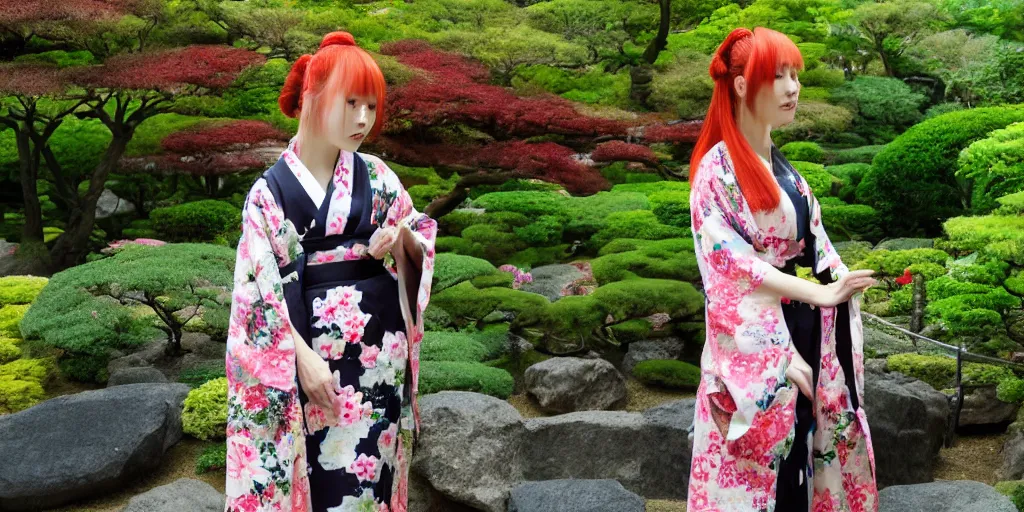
x=748, y=348
x=303, y=275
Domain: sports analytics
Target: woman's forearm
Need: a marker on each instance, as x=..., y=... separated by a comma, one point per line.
x=793, y=288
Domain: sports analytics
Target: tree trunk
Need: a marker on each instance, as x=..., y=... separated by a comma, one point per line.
x=28, y=173
x=642, y=74
x=660, y=40
x=443, y=205
x=72, y=246
x=920, y=300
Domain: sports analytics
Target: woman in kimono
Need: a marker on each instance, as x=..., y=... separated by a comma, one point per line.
x=333, y=274
x=779, y=422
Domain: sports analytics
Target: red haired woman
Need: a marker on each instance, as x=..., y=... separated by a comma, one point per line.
x=332, y=276
x=779, y=422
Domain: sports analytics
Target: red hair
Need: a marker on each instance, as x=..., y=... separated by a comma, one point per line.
x=337, y=67
x=756, y=56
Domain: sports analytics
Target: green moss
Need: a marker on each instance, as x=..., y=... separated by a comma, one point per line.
x=35, y=370
x=627, y=258
x=499, y=279
x=9, y=351
x=631, y=330
x=205, y=412
x=940, y=371
x=438, y=376
x=668, y=373
x=10, y=317
x=17, y=395
x=20, y=289
x=452, y=269
x=1011, y=391
x=464, y=302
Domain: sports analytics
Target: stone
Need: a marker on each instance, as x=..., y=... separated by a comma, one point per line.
x=908, y=420
x=567, y=384
x=574, y=496
x=549, y=280
x=646, y=350
x=1013, y=456
x=183, y=494
x=943, y=496
x=87, y=444
x=135, y=376
x=981, y=407
x=469, y=448
x=109, y=205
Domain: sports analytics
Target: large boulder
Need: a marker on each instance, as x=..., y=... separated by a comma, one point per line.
x=183, y=494
x=550, y=280
x=908, y=420
x=981, y=407
x=469, y=448
x=646, y=350
x=648, y=453
x=88, y=444
x=574, y=496
x=943, y=496
x=567, y=384
x=140, y=375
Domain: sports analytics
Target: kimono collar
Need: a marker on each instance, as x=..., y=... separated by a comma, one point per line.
x=309, y=183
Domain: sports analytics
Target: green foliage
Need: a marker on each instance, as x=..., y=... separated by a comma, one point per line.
x=205, y=411
x=18, y=395
x=887, y=263
x=10, y=317
x=631, y=330
x=995, y=165
x=804, y=151
x=822, y=77
x=926, y=156
x=671, y=207
x=997, y=236
x=465, y=303
x=464, y=346
x=213, y=458
x=35, y=370
x=817, y=177
x=940, y=371
x=1011, y=391
x=500, y=279
x=627, y=258
x=815, y=121
x=199, y=375
x=438, y=376
x=452, y=269
x=668, y=373
x=199, y=221
x=861, y=155
x=9, y=350
x=852, y=252
x=942, y=108
x=20, y=289
x=851, y=222
x=946, y=286
x=641, y=224
x=79, y=310
x=60, y=58
x=591, y=85
x=546, y=230
x=884, y=106
x=684, y=86
x=851, y=175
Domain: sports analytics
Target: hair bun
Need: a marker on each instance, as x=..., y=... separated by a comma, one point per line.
x=722, y=60
x=290, y=100
x=339, y=38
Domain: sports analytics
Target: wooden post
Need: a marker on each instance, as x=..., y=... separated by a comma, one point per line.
x=920, y=300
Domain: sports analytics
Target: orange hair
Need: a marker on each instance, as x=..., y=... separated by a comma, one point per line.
x=337, y=67
x=756, y=56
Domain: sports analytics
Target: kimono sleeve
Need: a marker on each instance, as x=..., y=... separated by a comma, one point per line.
x=265, y=463
x=746, y=366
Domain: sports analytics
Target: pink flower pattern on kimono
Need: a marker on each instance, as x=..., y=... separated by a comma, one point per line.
x=339, y=314
x=747, y=351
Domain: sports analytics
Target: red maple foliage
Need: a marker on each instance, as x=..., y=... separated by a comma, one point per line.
x=28, y=11
x=617, y=150
x=31, y=79
x=679, y=133
x=455, y=92
x=906, y=278
x=210, y=66
x=221, y=136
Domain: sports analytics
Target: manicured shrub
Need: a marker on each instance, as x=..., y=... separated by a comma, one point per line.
x=1000, y=237
x=18, y=395
x=803, y=151
x=452, y=269
x=20, y=289
x=213, y=458
x=205, y=412
x=199, y=221
x=438, y=376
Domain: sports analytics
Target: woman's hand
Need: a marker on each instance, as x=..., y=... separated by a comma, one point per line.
x=841, y=290
x=799, y=372
x=315, y=378
x=382, y=241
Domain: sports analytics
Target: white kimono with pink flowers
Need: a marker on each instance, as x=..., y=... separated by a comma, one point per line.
x=747, y=352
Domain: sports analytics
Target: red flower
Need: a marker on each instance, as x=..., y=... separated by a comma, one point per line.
x=905, y=279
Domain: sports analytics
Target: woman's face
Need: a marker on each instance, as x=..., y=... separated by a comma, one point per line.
x=776, y=105
x=350, y=120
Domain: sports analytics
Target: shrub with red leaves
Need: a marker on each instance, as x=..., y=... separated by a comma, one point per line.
x=221, y=136
x=27, y=11
x=210, y=66
x=679, y=133
x=617, y=150
x=31, y=79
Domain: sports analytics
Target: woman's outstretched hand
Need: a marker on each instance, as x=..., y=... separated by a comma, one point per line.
x=840, y=291
x=382, y=241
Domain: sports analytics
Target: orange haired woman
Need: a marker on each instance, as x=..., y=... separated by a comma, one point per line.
x=779, y=422
x=332, y=276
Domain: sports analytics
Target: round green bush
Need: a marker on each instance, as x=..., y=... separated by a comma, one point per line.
x=804, y=151
x=858, y=155
x=546, y=230
x=205, y=412
x=815, y=121
x=995, y=166
x=642, y=224
x=10, y=318
x=1000, y=237
x=883, y=105
x=820, y=181
x=452, y=346
x=926, y=156
x=438, y=376
x=1011, y=391
x=36, y=370
x=851, y=222
x=199, y=221
x=671, y=207
x=624, y=258
x=668, y=373
x=213, y=458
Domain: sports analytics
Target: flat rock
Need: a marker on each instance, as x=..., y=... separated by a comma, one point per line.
x=185, y=494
